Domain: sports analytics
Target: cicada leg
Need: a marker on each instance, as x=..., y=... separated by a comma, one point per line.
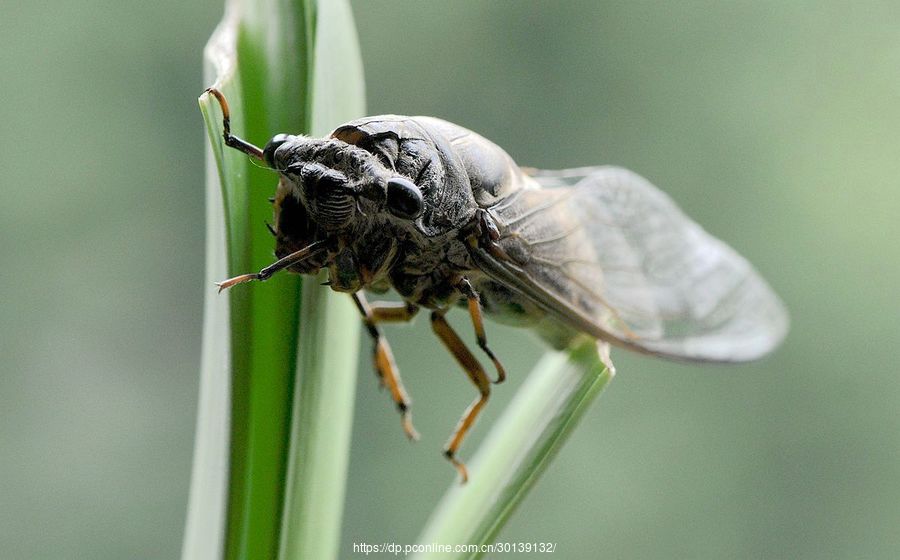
x=474, y=302
x=476, y=374
x=314, y=249
x=231, y=140
x=385, y=366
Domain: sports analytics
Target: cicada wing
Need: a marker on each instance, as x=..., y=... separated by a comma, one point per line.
x=612, y=256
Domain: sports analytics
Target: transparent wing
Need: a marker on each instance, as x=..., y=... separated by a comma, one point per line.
x=611, y=255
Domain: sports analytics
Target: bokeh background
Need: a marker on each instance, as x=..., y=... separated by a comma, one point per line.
x=775, y=124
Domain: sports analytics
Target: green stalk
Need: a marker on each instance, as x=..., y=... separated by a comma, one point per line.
x=518, y=449
x=329, y=334
x=250, y=422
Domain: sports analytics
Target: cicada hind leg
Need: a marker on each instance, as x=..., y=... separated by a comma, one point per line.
x=470, y=365
x=476, y=374
x=474, y=304
x=385, y=367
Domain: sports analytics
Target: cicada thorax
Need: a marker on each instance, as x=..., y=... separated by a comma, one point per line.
x=416, y=148
x=338, y=189
x=456, y=171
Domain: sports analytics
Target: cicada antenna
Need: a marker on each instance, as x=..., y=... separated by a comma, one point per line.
x=231, y=140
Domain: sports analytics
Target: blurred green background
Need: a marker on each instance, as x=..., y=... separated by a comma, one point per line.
x=775, y=124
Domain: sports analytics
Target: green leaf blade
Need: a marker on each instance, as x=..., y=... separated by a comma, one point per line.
x=329, y=329
x=518, y=449
x=261, y=58
x=205, y=526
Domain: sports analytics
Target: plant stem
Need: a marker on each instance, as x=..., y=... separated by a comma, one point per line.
x=276, y=396
x=518, y=448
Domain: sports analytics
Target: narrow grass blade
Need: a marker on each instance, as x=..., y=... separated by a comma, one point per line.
x=205, y=527
x=329, y=331
x=261, y=59
x=518, y=449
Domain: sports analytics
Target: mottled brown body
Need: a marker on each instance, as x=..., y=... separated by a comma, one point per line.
x=444, y=217
x=457, y=171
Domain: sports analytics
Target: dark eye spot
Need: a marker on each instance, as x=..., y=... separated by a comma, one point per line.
x=274, y=144
x=404, y=199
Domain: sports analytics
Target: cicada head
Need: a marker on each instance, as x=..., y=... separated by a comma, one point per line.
x=338, y=184
x=314, y=175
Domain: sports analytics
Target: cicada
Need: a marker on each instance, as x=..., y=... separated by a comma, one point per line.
x=446, y=218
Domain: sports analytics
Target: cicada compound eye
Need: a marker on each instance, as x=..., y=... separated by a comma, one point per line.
x=404, y=199
x=274, y=144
